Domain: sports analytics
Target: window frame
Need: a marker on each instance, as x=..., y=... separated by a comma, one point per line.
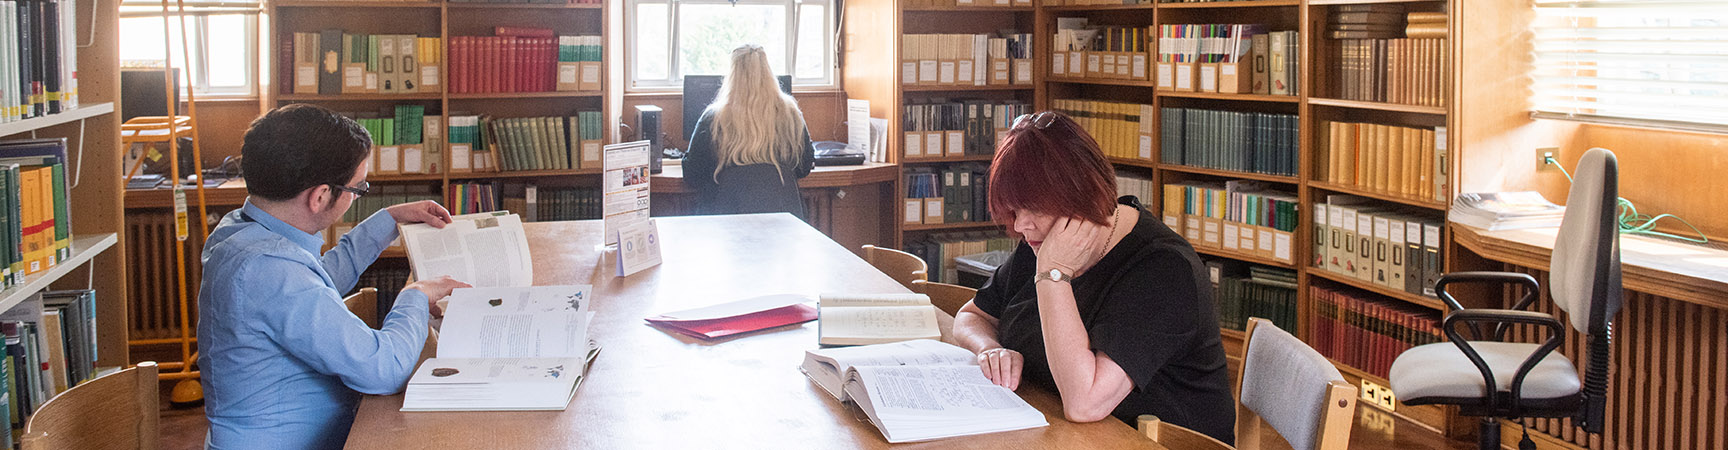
x=198, y=27
x=829, y=50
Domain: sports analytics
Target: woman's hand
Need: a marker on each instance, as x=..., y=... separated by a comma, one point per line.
x=1001, y=366
x=1073, y=246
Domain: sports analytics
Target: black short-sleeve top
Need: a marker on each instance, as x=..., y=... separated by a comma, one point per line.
x=1148, y=305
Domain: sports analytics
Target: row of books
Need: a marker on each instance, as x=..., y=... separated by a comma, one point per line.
x=487, y=144
x=50, y=347
x=967, y=3
x=953, y=193
x=1390, y=246
x=1404, y=71
x=404, y=140
x=939, y=250
x=1245, y=217
x=1140, y=186
x=966, y=59
x=1247, y=290
x=35, y=224
x=385, y=196
x=551, y=204
x=1228, y=58
x=38, y=58
x=1400, y=161
x=1083, y=51
x=1255, y=142
x=1365, y=331
x=956, y=128
x=1122, y=130
x=1383, y=21
x=524, y=60
x=364, y=63
x=474, y=197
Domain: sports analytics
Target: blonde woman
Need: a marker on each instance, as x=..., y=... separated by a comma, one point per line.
x=750, y=147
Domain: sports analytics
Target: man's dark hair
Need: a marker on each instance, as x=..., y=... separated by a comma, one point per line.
x=299, y=146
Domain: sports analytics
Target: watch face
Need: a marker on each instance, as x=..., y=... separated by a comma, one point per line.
x=1056, y=274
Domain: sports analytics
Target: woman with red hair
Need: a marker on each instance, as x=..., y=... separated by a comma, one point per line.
x=1101, y=300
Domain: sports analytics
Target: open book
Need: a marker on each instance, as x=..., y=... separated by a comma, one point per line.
x=483, y=250
x=860, y=319
x=511, y=348
x=919, y=390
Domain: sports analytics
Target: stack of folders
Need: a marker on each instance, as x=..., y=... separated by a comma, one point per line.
x=944, y=392
x=738, y=317
x=1505, y=211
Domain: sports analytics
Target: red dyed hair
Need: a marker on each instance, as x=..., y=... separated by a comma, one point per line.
x=1057, y=170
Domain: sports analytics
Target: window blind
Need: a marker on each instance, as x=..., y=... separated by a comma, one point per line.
x=153, y=8
x=1657, y=63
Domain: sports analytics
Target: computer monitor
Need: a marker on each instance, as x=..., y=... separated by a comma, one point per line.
x=142, y=91
x=699, y=92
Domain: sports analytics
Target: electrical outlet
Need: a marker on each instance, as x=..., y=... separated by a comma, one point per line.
x=1547, y=158
x=1377, y=395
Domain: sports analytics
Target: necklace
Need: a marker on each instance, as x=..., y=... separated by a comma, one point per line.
x=1113, y=219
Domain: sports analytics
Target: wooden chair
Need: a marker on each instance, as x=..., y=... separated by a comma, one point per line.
x=1177, y=437
x=901, y=266
x=117, y=411
x=1290, y=386
x=947, y=297
x=364, y=304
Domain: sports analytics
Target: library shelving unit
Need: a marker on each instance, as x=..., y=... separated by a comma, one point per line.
x=445, y=20
x=1319, y=100
x=876, y=36
x=94, y=176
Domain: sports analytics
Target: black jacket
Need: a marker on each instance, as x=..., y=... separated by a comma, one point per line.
x=756, y=188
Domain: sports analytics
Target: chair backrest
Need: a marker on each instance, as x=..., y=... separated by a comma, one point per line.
x=1169, y=435
x=117, y=411
x=947, y=297
x=364, y=304
x=1585, y=268
x=901, y=266
x=1294, y=389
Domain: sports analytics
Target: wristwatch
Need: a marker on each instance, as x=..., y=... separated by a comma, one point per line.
x=1053, y=275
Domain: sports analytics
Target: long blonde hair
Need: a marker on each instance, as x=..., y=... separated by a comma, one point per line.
x=755, y=123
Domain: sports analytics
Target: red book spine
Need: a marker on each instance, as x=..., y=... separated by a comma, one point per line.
x=454, y=45
x=548, y=64
x=522, y=32
x=510, y=63
x=285, y=64
x=494, y=46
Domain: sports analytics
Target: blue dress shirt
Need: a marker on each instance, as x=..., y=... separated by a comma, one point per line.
x=282, y=358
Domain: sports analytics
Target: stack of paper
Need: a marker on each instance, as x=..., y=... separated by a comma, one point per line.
x=1506, y=211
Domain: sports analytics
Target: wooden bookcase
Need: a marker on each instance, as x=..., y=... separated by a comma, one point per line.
x=870, y=53
x=445, y=20
x=95, y=178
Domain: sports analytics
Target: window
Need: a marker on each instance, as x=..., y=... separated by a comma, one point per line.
x=224, y=42
x=672, y=38
x=1640, y=62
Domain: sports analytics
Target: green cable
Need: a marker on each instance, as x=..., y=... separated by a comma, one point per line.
x=1633, y=223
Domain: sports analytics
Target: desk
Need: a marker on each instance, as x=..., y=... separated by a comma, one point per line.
x=852, y=204
x=661, y=390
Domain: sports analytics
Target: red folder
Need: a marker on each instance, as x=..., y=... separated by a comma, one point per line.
x=743, y=316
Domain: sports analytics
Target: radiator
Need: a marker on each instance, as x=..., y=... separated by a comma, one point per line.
x=153, y=285
x=1668, y=383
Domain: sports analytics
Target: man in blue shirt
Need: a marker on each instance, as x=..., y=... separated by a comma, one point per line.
x=283, y=360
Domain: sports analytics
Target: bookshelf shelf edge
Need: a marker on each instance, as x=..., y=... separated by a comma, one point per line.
x=84, y=248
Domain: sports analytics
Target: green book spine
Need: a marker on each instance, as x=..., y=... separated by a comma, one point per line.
x=17, y=232
x=62, y=220
x=8, y=239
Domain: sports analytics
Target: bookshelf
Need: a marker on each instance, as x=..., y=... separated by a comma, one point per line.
x=445, y=21
x=94, y=183
x=1319, y=100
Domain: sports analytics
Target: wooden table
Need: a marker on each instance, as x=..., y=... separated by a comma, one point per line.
x=854, y=205
x=660, y=390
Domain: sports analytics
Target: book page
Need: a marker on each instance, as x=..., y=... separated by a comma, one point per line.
x=520, y=322
x=918, y=352
x=484, y=250
x=947, y=391
x=827, y=300
x=874, y=322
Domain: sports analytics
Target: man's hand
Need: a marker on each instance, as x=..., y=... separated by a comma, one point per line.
x=436, y=289
x=424, y=211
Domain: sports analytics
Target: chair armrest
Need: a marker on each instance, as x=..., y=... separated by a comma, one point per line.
x=1556, y=336
x=1531, y=289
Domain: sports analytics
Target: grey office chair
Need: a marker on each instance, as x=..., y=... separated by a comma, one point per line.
x=1512, y=380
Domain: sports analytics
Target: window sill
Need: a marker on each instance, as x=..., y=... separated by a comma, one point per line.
x=671, y=93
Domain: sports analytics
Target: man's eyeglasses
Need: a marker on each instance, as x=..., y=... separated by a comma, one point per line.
x=358, y=191
x=1040, y=120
